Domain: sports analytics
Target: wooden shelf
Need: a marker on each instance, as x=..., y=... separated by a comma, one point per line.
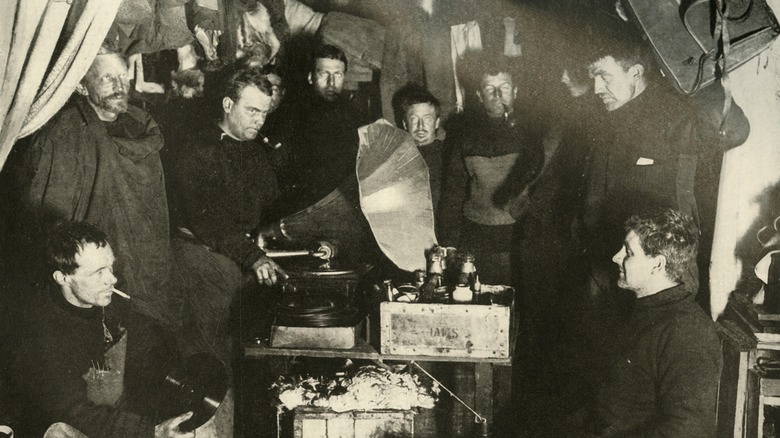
x=362, y=350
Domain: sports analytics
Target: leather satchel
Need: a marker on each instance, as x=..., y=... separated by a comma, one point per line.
x=695, y=39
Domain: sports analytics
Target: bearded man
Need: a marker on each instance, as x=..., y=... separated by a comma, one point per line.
x=98, y=161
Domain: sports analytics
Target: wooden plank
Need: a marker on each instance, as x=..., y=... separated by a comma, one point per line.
x=483, y=391
x=340, y=338
x=455, y=330
x=770, y=387
x=753, y=409
x=362, y=350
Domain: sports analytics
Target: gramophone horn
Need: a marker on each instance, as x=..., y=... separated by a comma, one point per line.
x=335, y=218
x=390, y=199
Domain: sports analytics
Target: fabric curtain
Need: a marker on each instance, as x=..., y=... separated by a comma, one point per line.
x=31, y=92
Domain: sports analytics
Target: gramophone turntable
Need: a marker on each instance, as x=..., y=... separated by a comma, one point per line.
x=387, y=211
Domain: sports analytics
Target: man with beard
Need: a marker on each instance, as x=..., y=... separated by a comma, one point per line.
x=420, y=112
x=227, y=187
x=325, y=141
x=98, y=161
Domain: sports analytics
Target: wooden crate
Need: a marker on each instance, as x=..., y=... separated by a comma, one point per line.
x=314, y=422
x=339, y=338
x=450, y=330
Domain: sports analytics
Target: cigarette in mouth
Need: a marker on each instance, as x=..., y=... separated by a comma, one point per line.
x=120, y=293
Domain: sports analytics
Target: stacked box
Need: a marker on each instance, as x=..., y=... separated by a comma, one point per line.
x=449, y=330
x=314, y=422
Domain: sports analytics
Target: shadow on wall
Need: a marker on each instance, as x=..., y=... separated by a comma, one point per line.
x=750, y=248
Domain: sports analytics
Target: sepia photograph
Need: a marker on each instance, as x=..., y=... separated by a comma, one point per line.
x=389, y=218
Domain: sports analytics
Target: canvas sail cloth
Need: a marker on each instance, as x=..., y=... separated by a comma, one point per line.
x=395, y=194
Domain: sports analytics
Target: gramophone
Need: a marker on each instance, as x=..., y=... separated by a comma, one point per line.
x=386, y=210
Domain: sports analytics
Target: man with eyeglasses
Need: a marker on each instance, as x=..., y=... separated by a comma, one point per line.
x=325, y=139
x=494, y=158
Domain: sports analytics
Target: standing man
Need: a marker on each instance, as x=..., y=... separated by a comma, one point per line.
x=67, y=357
x=98, y=161
x=420, y=117
x=657, y=148
x=325, y=141
x=494, y=158
x=666, y=362
x=227, y=188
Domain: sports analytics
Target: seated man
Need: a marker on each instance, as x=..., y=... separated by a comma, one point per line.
x=665, y=369
x=227, y=187
x=67, y=360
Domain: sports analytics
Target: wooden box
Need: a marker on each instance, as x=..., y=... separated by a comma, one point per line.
x=340, y=338
x=314, y=422
x=449, y=330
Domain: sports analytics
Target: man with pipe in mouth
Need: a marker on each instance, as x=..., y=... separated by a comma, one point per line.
x=227, y=187
x=494, y=158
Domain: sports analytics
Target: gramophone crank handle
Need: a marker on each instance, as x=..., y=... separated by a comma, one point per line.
x=273, y=253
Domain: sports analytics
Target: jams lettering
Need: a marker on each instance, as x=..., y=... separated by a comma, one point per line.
x=448, y=333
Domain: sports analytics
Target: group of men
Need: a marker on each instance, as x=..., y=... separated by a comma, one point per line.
x=495, y=180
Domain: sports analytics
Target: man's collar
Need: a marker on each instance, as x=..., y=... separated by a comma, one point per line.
x=679, y=292
x=55, y=293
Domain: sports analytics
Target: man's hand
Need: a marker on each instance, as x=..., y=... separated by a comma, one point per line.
x=267, y=271
x=170, y=428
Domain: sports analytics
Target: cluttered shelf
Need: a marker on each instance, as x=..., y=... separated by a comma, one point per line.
x=361, y=350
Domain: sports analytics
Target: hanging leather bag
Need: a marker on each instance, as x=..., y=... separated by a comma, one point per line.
x=690, y=38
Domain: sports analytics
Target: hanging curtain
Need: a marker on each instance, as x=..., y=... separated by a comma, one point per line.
x=27, y=41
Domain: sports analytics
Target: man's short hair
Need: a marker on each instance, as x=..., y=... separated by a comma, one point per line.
x=668, y=233
x=477, y=64
x=107, y=48
x=247, y=77
x=327, y=51
x=622, y=43
x=68, y=239
x=413, y=94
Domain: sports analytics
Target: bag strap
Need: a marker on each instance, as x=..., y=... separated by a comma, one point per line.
x=722, y=34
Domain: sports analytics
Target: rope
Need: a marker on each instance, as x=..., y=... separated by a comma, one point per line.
x=478, y=418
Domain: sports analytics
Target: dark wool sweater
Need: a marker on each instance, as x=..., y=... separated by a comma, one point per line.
x=492, y=161
x=664, y=376
x=226, y=189
x=658, y=150
x=54, y=345
x=324, y=147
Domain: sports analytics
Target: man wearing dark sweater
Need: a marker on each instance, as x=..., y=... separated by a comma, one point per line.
x=420, y=111
x=666, y=361
x=227, y=187
x=325, y=139
x=68, y=355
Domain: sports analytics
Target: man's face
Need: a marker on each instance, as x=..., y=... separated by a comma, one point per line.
x=615, y=85
x=636, y=267
x=277, y=88
x=422, y=122
x=92, y=282
x=106, y=86
x=244, y=117
x=328, y=78
x=576, y=89
x=497, y=94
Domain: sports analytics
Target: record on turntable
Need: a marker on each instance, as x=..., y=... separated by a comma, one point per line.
x=198, y=384
x=301, y=310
